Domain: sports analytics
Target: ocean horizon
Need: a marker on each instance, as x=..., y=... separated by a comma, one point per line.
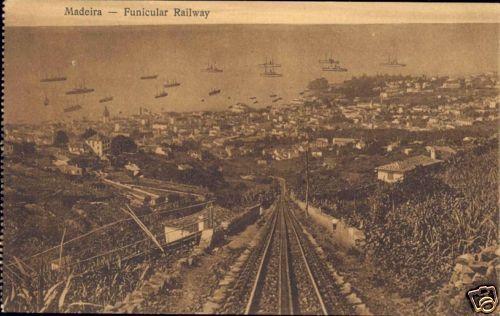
x=111, y=60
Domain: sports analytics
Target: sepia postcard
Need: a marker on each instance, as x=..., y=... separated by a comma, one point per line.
x=220, y=157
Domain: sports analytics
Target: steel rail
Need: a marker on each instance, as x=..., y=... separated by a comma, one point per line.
x=258, y=278
x=309, y=272
x=285, y=287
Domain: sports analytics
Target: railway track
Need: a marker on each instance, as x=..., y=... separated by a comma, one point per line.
x=284, y=275
x=252, y=269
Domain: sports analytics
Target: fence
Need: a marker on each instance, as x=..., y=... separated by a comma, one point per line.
x=121, y=238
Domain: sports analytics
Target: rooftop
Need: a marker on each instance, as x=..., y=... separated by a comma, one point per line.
x=409, y=164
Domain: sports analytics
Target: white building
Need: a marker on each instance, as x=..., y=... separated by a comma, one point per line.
x=99, y=144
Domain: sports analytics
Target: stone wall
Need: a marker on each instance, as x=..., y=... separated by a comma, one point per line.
x=470, y=272
x=240, y=222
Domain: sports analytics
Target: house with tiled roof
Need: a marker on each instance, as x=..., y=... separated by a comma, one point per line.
x=396, y=171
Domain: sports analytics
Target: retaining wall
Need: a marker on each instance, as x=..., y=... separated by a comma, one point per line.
x=240, y=222
x=342, y=234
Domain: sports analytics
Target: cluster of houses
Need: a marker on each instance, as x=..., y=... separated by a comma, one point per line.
x=232, y=134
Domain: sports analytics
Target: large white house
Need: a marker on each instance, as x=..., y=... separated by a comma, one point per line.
x=396, y=171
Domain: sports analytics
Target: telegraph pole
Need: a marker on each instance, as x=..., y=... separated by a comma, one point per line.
x=211, y=216
x=307, y=179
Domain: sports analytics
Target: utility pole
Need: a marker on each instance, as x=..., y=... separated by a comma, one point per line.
x=307, y=179
x=211, y=216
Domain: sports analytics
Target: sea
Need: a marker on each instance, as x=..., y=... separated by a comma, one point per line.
x=111, y=60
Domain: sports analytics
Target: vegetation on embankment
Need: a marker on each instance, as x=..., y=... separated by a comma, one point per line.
x=416, y=229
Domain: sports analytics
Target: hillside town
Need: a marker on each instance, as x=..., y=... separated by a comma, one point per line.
x=277, y=132
x=342, y=156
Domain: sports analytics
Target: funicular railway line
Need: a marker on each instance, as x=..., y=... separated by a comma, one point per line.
x=284, y=274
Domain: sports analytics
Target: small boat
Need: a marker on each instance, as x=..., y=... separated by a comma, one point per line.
x=106, y=99
x=214, y=92
x=149, y=77
x=80, y=90
x=53, y=79
x=72, y=108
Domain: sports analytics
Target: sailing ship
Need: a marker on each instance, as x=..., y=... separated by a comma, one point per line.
x=331, y=64
x=212, y=68
x=392, y=58
x=161, y=94
x=334, y=68
x=80, y=89
x=106, y=99
x=270, y=72
x=214, y=92
x=270, y=63
x=53, y=78
x=392, y=61
x=269, y=67
x=170, y=84
x=76, y=106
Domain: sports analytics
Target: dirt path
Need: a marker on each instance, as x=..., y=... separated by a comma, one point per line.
x=198, y=281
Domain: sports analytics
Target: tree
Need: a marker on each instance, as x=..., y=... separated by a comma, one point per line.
x=89, y=132
x=161, y=199
x=147, y=201
x=318, y=84
x=61, y=139
x=24, y=149
x=122, y=144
